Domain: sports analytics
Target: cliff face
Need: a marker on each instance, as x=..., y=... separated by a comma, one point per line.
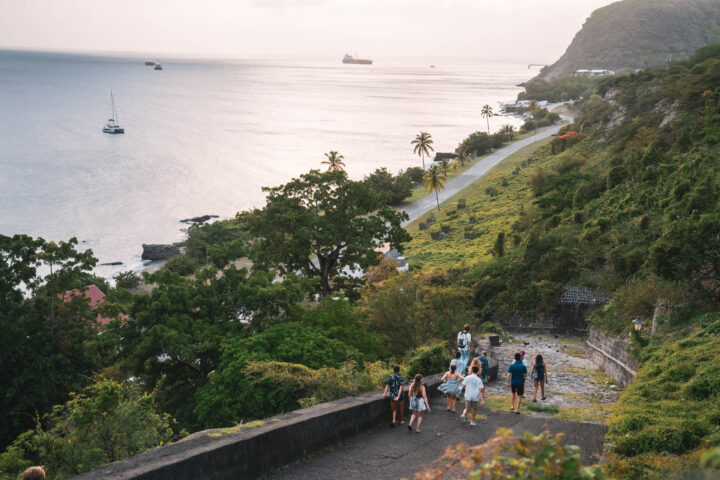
x=639, y=34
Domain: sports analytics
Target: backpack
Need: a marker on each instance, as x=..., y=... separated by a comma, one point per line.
x=461, y=340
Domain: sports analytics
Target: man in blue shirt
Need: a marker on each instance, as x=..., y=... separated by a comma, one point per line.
x=516, y=382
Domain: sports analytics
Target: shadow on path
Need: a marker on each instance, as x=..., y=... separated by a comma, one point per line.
x=394, y=453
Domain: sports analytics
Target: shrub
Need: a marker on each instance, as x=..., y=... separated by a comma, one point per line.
x=429, y=360
x=127, y=279
x=182, y=265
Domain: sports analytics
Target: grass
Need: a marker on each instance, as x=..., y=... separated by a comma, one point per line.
x=421, y=192
x=493, y=214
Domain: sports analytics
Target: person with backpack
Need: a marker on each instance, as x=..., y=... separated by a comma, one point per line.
x=540, y=376
x=464, y=344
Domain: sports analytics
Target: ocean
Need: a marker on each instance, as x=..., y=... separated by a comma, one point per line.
x=203, y=137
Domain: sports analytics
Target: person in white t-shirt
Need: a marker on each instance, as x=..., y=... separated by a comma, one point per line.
x=472, y=385
x=464, y=345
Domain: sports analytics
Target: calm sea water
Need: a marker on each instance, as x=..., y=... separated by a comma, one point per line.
x=203, y=137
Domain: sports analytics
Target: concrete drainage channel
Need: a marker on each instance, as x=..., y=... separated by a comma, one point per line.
x=253, y=450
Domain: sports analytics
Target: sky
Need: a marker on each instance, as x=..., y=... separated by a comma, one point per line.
x=513, y=30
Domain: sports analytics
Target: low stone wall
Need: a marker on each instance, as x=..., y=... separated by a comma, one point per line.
x=251, y=451
x=567, y=319
x=610, y=354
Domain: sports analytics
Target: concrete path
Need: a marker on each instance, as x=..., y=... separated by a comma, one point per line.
x=394, y=453
x=420, y=207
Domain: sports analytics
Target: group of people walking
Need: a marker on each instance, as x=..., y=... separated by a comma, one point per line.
x=466, y=380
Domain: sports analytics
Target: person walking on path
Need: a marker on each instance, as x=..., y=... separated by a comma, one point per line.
x=524, y=360
x=451, y=387
x=459, y=364
x=484, y=370
x=473, y=385
x=539, y=375
x=394, y=388
x=464, y=344
x=516, y=382
x=418, y=402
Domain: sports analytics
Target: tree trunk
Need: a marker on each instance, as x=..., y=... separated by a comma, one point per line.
x=437, y=199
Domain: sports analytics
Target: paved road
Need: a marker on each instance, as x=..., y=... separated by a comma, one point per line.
x=394, y=453
x=418, y=208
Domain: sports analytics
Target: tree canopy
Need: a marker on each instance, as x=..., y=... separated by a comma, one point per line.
x=321, y=223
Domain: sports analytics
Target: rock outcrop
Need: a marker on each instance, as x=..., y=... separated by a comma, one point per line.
x=159, y=251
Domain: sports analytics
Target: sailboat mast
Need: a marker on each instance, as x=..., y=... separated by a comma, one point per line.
x=112, y=102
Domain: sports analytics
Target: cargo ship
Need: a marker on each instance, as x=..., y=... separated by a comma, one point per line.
x=357, y=61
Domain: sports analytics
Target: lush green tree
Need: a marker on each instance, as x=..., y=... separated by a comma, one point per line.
x=446, y=165
x=477, y=143
x=172, y=340
x=486, y=113
x=321, y=223
x=44, y=349
x=334, y=161
x=408, y=311
x=423, y=145
x=105, y=422
x=434, y=181
x=391, y=189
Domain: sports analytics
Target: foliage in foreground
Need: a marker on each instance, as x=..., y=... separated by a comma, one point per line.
x=510, y=457
x=105, y=422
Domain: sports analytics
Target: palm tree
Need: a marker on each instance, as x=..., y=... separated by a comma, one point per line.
x=334, y=161
x=462, y=158
x=446, y=164
x=423, y=145
x=508, y=131
x=434, y=181
x=487, y=113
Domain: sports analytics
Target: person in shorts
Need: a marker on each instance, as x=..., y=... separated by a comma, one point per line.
x=516, y=382
x=394, y=388
x=473, y=385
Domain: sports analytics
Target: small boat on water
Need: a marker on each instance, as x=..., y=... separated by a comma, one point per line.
x=112, y=126
x=356, y=61
x=150, y=63
x=157, y=65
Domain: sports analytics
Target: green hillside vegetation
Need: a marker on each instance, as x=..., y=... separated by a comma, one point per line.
x=626, y=200
x=638, y=34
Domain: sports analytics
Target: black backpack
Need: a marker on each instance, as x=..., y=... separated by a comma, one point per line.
x=461, y=340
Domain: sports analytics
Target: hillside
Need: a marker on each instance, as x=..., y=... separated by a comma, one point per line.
x=639, y=34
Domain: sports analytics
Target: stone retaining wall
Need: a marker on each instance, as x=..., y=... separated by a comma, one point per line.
x=256, y=449
x=610, y=354
x=567, y=319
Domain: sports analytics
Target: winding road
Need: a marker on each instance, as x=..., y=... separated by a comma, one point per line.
x=420, y=207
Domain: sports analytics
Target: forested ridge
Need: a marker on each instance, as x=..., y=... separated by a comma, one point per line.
x=638, y=34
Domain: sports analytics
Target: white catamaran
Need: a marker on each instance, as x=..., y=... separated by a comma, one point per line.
x=112, y=125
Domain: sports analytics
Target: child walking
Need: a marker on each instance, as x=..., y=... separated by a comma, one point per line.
x=418, y=402
x=473, y=385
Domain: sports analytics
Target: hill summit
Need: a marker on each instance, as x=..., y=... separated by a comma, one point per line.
x=639, y=34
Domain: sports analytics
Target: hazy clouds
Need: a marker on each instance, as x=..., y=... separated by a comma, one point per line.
x=519, y=30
